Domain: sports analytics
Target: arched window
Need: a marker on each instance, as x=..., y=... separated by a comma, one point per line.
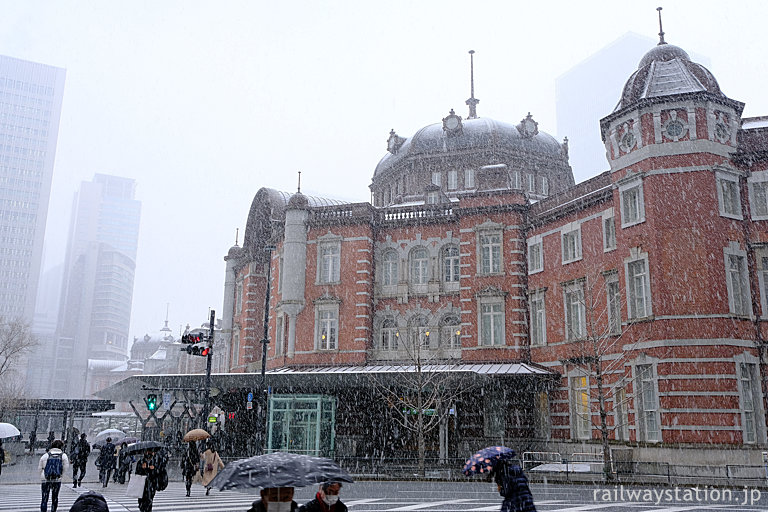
x=389, y=335
x=389, y=269
x=451, y=264
x=450, y=335
x=419, y=266
x=420, y=333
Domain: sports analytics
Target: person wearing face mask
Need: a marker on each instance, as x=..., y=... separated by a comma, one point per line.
x=275, y=499
x=326, y=499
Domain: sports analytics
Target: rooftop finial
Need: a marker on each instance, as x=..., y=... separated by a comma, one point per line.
x=299, y=189
x=661, y=30
x=472, y=101
x=237, y=235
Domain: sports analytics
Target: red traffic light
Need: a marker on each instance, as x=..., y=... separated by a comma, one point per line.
x=206, y=351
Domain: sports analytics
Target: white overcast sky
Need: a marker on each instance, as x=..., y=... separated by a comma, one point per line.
x=203, y=103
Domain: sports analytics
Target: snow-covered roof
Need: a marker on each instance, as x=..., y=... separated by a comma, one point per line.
x=751, y=123
x=482, y=369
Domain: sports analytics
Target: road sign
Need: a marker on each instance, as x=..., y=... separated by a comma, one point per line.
x=249, y=405
x=213, y=419
x=250, y=397
x=167, y=400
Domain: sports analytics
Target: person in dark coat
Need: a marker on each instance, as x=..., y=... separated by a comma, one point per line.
x=124, y=465
x=513, y=486
x=275, y=499
x=326, y=499
x=190, y=465
x=149, y=465
x=106, y=462
x=80, y=455
x=90, y=502
x=2, y=456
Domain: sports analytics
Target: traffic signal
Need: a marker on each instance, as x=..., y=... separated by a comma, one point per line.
x=192, y=337
x=151, y=401
x=199, y=349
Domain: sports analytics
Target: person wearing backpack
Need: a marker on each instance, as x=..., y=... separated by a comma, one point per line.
x=52, y=465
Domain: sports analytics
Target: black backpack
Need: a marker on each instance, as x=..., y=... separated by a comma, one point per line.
x=53, y=467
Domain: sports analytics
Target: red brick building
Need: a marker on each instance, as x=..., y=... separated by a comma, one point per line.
x=634, y=303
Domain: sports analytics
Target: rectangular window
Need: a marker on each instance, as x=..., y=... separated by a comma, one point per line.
x=581, y=417
x=239, y=298
x=738, y=287
x=535, y=256
x=609, y=234
x=490, y=254
x=236, y=349
x=389, y=335
x=638, y=300
x=279, y=335
x=280, y=273
x=759, y=199
x=622, y=415
x=492, y=324
x=453, y=180
x=516, y=180
x=571, y=245
x=451, y=336
x=419, y=266
x=327, y=327
x=647, y=396
x=437, y=178
x=329, y=262
x=451, y=265
x=531, y=182
x=632, y=208
x=544, y=186
x=469, y=178
x=747, y=376
x=729, y=196
x=575, y=314
x=538, y=320
x=763, y=277
x=389, y=268
x=614, y=305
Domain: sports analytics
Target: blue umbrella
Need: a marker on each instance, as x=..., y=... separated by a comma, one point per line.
x=485, y=460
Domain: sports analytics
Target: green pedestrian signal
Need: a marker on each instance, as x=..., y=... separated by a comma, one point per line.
x=151, y=402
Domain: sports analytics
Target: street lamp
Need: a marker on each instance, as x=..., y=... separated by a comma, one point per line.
x=262, y=420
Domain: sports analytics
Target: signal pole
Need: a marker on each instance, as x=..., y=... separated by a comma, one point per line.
x=208, y=365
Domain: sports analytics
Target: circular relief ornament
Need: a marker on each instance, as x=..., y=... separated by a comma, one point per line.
x=627, y=142
x=722, y=133
x=452, y=124
x=674, y=129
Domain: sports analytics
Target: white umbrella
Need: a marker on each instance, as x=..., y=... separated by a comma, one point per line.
x=8, y=430
x=115, y=434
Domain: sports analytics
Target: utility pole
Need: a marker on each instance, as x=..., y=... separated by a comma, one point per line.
x=263, y=401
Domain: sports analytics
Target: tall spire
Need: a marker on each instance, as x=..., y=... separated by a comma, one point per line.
x=237, y=235
x=299, y=189
x=472, y=101
x=661, y=30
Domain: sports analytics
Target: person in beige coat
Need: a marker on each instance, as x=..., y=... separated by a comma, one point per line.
x=211, y=465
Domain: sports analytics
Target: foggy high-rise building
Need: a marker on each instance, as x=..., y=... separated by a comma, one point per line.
x=30, y=108
x=97, y=290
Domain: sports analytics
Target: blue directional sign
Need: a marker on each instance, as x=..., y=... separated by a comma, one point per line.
x=250, y=397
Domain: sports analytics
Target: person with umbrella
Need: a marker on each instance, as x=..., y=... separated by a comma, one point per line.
x=190, y=465
x=497, y=461
x=2, y=456
x=275, y=499
x=326, y=499
x=80, y=459
x=211, y=465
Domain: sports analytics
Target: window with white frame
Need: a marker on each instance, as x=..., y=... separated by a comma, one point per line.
x=280, y=261
x=621, y=411
x=330, y=262
x=571, y=241
x=581, y=415
x=279, y=334
x=437, y=178
x=389, y=268
x=613, y=303
x=420, y=332
x=327, y=326
x=453, y=180
x=516, y=184
x=538, y=319
x=236, y=349
x=491, y=322
x=763, y=278
x=728, y=195
x=490, y=253
x=631, y=200
x=575, y=311
x=758, y=195
x=419, y=266
x=239, y=298
x=535, y=255
x=469, y=178
x=609, y=234
x=531, y=179
x=544, y=186
x=450, y=337
x=638, y=285
x=647, y=400
x=451, y=265
x=747, y=381
x=389, y=335
x=737, y=280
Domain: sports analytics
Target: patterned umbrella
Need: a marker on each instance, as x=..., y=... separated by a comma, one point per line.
x=278, y=469
x=486, y=459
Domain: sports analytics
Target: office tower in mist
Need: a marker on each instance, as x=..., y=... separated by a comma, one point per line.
x=97, y=289
x=30, y=108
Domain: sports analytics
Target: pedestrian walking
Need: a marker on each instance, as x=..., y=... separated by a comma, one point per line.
x=149, y=466
x=90, y=502
x=513, y=486
x=326, y=499
x=190, y=464
x=106, y=462
x=2, y=458
x=53, y=464
x=80, y=460
x=124, y=463
x=211, y=465
x=275, y=499
x=51, y=438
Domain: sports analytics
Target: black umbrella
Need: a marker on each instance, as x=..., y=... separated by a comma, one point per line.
x=278, y=469
x=142, y=446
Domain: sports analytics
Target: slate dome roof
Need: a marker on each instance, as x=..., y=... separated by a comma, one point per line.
x=664, y=71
